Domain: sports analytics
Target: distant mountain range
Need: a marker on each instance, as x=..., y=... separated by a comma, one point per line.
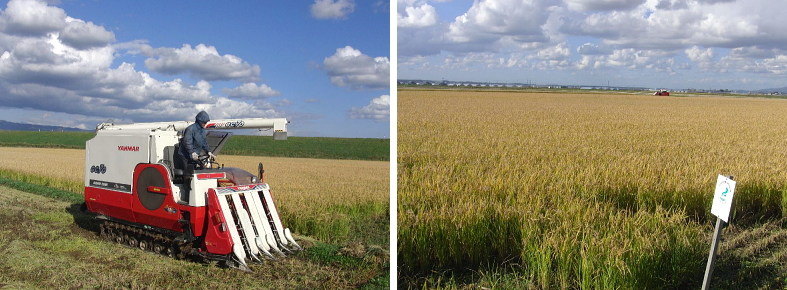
x=11, y=126
x=774, y=90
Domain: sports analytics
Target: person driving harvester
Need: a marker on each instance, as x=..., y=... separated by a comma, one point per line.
x=194, y=140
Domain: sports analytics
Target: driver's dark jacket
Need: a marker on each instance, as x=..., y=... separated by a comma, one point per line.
x=193, y=141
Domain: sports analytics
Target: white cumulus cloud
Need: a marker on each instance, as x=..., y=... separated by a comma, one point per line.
x=557, y=52
x=697, y=54
x=494, y=20
x=378, y=110
x=348, y=67
x=82, y=35
x=601, y=5
x=50, y=62
x=329, y=9
x=32, y=18
x=202, y=61
x=593, y=49
x=626, y=39
x=251, y=91
x=415, y=17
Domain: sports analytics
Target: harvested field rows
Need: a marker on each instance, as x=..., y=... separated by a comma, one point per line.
x=49, y=244
x=749, y=252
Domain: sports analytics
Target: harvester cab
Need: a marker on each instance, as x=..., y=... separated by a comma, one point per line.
x=148, y=197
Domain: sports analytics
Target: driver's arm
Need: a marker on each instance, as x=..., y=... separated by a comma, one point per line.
x=188, y=140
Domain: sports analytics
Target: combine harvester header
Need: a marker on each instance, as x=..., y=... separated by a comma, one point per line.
x=149, y=197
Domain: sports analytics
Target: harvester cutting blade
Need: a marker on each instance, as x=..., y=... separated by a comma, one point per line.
x=289, y=237
x=273, y=217
x=248, y=236
x=261, y=222
x=237, y=248
x=264, y=248
x=255, y=226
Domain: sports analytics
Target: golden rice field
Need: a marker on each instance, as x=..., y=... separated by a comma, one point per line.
x=578, y=191
x=332, y=200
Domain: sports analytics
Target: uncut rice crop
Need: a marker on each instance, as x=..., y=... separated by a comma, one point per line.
x=581, y=191
x=334, y=200
x=331, y=200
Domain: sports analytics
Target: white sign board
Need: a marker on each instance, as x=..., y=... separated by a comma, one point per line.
x=722, y=198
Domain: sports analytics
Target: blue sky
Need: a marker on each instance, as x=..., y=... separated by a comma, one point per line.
x=322, y=64
x=700, y=44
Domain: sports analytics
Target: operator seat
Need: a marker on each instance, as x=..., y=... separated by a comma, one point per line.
x=176, y=164
x=181, y=171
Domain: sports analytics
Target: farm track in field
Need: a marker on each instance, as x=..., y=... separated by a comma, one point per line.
x=748, y=252
x=50, y=244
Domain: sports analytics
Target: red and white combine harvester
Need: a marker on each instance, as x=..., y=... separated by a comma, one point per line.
x=147, y=197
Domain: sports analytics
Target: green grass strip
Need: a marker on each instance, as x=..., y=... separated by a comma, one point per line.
x=57, y=183
x=75, y=140
x=328, y=254
x=310, y=147
x=44, y=145
x=372, y=149
x=55, y=193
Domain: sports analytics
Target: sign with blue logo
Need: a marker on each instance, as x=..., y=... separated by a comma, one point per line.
x=722, y=198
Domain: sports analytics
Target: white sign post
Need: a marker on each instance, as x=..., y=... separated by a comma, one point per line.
x=722, y=198
x=722, y=203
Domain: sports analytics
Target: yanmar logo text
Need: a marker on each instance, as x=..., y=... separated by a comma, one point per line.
x=128, y=148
